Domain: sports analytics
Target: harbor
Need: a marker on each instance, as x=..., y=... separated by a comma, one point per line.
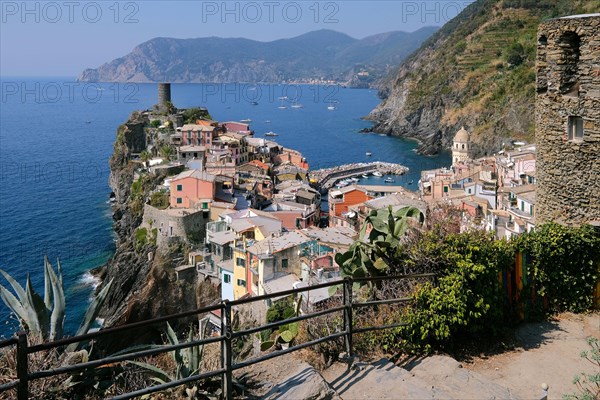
x=324, y=179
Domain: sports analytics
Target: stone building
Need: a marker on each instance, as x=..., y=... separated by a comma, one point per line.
x=568, y=120
x=461, y=146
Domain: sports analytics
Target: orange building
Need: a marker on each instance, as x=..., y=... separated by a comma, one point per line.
x=341, y=199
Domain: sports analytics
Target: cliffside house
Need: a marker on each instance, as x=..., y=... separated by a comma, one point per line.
x=192, y=189
x=197, y=135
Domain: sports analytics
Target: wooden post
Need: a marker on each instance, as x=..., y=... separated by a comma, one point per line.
x=22, y=367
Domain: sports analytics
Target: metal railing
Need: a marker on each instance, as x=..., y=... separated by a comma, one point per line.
x=225, y=338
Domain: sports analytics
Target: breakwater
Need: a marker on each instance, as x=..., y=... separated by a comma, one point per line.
x=324, y=179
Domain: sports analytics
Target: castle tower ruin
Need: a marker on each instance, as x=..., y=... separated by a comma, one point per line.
x=568, y=120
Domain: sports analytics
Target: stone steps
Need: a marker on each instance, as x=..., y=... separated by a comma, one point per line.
x=435, y=378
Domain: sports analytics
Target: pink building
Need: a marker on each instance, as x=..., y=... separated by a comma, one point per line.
x=238, y=127
x=192, y=189
x=197, y=135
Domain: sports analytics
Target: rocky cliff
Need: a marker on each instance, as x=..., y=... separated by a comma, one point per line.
x=477, y=71
x=144, y=282
x=323, y=54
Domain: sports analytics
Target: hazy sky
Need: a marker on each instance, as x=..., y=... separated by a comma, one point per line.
x=61, y=38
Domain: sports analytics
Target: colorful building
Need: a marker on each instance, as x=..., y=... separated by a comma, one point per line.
x=192, y=189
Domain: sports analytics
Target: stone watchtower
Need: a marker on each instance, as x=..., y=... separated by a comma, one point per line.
x=164, y=95
x=568, y=120
x=461, y=146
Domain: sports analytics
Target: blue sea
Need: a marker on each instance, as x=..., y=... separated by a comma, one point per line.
x=56, y=136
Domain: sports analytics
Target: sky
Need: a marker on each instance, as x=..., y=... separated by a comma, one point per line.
x=63, y=37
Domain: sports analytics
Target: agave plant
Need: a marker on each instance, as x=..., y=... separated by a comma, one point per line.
x=373, y=252
x=187, y=360
x=45, y=317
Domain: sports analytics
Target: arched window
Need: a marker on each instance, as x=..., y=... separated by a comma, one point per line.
x=463, y=146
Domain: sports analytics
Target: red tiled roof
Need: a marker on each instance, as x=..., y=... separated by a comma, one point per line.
x=259, y=164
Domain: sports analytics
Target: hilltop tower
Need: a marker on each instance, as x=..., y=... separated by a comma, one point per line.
x=164, y=95
x=461, y=146
x=568, y=120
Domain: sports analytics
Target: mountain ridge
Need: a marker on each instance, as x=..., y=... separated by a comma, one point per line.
x=476, y=71
x=339, y=57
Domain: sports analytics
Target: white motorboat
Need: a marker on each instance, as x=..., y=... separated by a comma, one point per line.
x=377, y=173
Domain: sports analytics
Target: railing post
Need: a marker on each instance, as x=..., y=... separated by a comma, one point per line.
x=227, y=330
x=22, y=367
x=348, y=315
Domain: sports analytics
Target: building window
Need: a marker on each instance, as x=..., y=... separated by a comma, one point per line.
x=179, y=200
x=522, y=206
x=575, y=128
x=205, y=206
x=531, y=209
x=284, y=263
x=240, y=262
x=445, y=189
x=179, y=188
x=463, y=146
x=226, y=278
x=241, y=282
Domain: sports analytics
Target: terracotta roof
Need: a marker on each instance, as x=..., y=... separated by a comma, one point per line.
x=259, y=164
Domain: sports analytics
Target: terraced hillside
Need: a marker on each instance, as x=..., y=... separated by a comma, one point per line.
x=477, y=71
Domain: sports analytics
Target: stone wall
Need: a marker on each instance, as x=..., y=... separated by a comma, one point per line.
x=175, y=224
x=568, y=84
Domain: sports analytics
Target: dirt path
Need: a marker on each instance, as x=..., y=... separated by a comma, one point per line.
x=547, y=352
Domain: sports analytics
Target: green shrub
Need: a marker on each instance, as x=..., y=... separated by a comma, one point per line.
x=155, y=123
x=141, y=237
x=159, y=200
x=564, y=263
x=468, y=298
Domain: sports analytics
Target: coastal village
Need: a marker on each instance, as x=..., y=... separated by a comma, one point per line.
x=208, y=217
x=259, y=221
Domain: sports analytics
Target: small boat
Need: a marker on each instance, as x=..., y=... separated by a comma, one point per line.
x=377, y=173
x=246, y=120
x=254, y=103
x=268, y=121
x=368, y=154
x=354, y=180
x=365, y=176
x=88, y=122
x=410, y=183
x=271, y=134
x=297, y=105
x=389, y=179
x=342, y=184
x=331, y=107
x=282, y=107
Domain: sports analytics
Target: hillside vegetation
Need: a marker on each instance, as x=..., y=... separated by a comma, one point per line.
x=476, y=71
